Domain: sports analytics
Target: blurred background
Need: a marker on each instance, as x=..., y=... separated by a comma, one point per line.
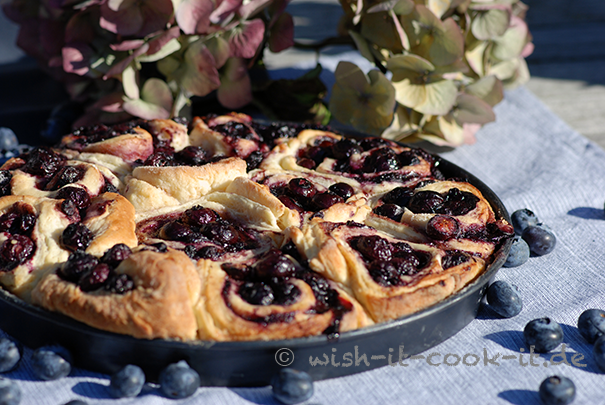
x=567, y=66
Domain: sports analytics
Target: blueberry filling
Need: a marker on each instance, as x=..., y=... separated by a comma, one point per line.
x=205, y=234
x=454, y=258
x=19, y=219
x=66, y=175
x=77, y=195
x=15, y=250
x=455, y=201
x=387, y=262
x=234, y=129
x=43, y=162
x=76, y=237
x=5, y=182
x=91, y=274
x=301, y=195
x=98, y=133
x=267, y=282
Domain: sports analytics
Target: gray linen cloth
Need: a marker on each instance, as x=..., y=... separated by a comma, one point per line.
x=530, y=158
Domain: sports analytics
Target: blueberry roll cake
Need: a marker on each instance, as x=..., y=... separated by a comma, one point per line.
x=272, y=297
x=226, y=228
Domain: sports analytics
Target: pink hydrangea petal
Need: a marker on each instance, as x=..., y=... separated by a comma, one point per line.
x=252, y=7
x=124, y=22
x=127, y=45
x=76, y=58
x=246, y=38
x=156, y=14
x=235, y=90
x=156, y=44
x=282, y=33
x=80, y=27
x=193, y=16
x=224, y=9
x=119, y=67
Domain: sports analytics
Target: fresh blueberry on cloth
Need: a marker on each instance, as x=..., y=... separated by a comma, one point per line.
x=504, y=299
x=557, y=390
x=178, y=380
x=292, y=386
x=128, y=382
x=544, y=334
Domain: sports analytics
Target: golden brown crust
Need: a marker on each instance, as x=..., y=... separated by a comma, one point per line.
x=160, y=305
x=111, y=220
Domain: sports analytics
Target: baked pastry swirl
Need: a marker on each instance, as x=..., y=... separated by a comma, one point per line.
x=228, y=229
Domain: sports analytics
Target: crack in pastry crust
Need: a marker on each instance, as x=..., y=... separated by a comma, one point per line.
x=229, y=229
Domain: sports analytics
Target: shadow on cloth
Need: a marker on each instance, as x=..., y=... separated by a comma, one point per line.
x=587, y=213
x=520, y=397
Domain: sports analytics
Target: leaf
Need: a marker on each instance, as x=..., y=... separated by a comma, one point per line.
x=443, y=131
x=410, y=62
x=219, y=48
x=491, y=23
x=362, y=45
x=438, y=7
x=282, y=33
x=246, y=37
x=471, y=109
x=129, y=82
x=511, y=43
x=448, y=46
x=198, y=73
x=119, y=67
x=156, y=91
x=143, y=109
x=367, y=103
x=169, y=48
x=488, y=89
x=379, y=28
x=400, y=7
x=235, y=90
x=475, y=56
x=435, y=98
x=193, y=16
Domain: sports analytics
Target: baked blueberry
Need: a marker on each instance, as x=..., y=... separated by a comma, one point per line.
x=523, y=218
x=373, y=247
x=504, y=299
x=128, y=382
x=10, y=354
x=292, y=386
x=443, y=227
x=322, y=201
x=391, y=211
x=114, y=255
x=556, y=390
x=425, y=202
x=15, y=250
x=10, y=393
x=76, y=237
x=591, y=324
x=78, y=263
x=301, y=187
x=95, y=278
x=543, y=334
x=50, y=363
x=598, y=353
x=540, y=239
x=519, y=253
x=178, y=380
x=342, y=189
x=399, y=195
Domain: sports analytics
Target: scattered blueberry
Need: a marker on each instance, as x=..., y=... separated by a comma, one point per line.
x=591, y=324
x=540, y=239
x=598, y=352
x=523, y=218
x=10, y=393
x=292, y=386
x=128, y=382
x=178, y=380
x=10, y=354
x=50, y=363
x=519, y=253
x=504, y=299
x=557, y=390
x=544, y=334
x=8, y=139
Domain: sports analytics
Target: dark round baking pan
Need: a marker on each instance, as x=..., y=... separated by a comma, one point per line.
x=254, y=363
